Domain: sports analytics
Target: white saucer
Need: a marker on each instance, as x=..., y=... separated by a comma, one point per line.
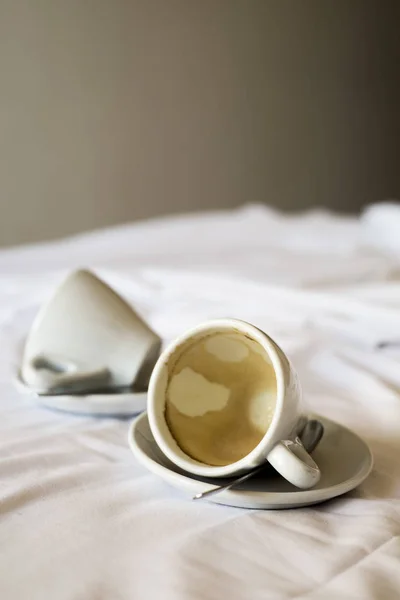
x=344, y=459
x=107, y=404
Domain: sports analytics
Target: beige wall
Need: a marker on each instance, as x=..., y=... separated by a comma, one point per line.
x=111, y=110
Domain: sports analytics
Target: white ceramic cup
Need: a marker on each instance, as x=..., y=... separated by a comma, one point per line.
x=280, y=445
x=88, y=338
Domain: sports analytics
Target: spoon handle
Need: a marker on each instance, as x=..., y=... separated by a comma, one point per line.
x=216, y=490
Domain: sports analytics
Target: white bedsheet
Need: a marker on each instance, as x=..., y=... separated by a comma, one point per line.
x=80, y=519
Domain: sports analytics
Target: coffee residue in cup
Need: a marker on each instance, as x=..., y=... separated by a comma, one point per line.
x=220, y=397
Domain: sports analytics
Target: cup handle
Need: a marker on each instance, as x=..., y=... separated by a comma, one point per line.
x=49, y=374
x=293, y=462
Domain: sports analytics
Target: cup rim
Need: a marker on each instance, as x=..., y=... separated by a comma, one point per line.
x=189, y=464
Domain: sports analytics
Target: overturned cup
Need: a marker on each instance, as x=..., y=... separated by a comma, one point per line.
x=88, y=339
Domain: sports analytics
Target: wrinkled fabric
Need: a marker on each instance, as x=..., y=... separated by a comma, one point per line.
x=80, y=518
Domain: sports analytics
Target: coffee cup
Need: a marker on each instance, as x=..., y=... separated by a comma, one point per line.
x=223, y=398
x=88, y=338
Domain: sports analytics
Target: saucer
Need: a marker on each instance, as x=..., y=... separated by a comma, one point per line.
x=100, y=404
x=343, y=457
